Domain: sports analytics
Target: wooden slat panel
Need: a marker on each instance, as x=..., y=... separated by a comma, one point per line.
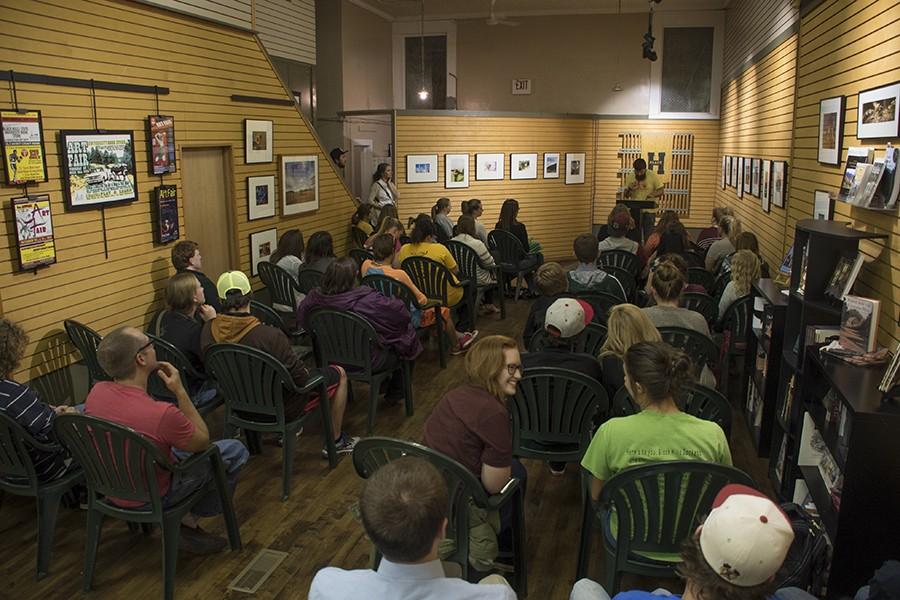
x=750, y=25
x=229, y=12
x=287, y=28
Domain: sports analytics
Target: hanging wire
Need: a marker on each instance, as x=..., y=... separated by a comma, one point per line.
x=15, y=93
x=422, y=42
x=94, y=104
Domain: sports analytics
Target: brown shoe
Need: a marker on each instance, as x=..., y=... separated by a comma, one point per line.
x=196, y=541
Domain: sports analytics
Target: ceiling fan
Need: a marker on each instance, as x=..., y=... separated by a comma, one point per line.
x=493, y=20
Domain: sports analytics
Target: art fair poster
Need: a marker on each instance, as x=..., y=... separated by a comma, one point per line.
x=167, y=209
x=162, y=144
x=99, y=167
x=34, y=231
x=22, y=144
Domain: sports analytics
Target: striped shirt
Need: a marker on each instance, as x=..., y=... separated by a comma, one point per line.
x=23, y=405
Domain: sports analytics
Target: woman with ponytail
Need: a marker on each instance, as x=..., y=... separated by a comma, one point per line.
x=473, y=208
x=442, y=222
x=656, y=375
x=729, y=231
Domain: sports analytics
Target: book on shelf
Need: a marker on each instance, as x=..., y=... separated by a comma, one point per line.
x=843, y=433
x=845, y=273
x=866, y=179
x=887, y=382
x=787, y=262
x=855, y=155
x=885, y=195
x=801, y=282
x=859, y=325
x=788, y=402
x=779, y=461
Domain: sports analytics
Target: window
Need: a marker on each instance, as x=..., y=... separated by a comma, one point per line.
x=687, y=70
x=435, y=77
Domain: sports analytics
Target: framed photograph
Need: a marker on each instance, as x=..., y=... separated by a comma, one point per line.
x=877, y=112
x=166, y=213
x=748, y=173
x=262, y=245
x=260, y=197
x=754, y=183
x=765, y=183
x=456, y=171
x=489, y=166
x=299, y=184
x=161, y=135
x=728, y=178
x=574, y=167
x=724, y=168
x=97, y=167
x=523, y=166
x=258, y=141
x=421, y=168
x=778, y=185
x=735, y=167
x=740, y=180
x=823, y=205
x=831, y=129
x=22, y=145
x=551, y=165
x=34, y=232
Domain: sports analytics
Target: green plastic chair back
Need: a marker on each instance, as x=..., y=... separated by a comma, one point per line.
x=621, y=259
x=361, y=255
x=737, y=319
x=587, y=342
x=508, y=249
x=282, y=287
x=165, y=351
x=625, y=279
x=309, y=279
x=700, y=276
x=87, y=340
x=701, y=350
x=703, y=304
x=601, y=302
x=431, y=277
x=554, y=412
x=358, y=236
x=698, y=400
x=469, y=262
x=267, y=315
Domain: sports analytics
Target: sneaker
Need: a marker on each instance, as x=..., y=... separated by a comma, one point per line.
x=464, y=342
x=280, y=440
x=557, y=469
x=197, y=541
x=342, y=445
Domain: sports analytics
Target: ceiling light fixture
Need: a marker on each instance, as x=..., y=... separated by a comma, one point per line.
x=648, y=52
x=423, y=93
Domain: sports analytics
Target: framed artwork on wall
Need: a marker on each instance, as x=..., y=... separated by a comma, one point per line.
x=166, y=213
x=258, y=141
x=34, y=232
x=523, y=166
x=746, y=162
x=260, y=197
x=823, y=205
x=754, y=182
x=831, y=130
x=456, y=167
x=728, y=171
x=97, y=167
x=262, y=245
x=724, y=168
x=421, y=168
x=778, y=185
x=299, y=184
x=574, y=167
x=551, y=165
x=22, y=145
x=489, y=166
x=877, y=112
x=735, y=168
x=765, y=183
x=161, y=136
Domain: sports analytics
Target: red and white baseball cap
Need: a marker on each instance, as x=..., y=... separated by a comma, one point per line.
x=567, y=317
x=746, y=536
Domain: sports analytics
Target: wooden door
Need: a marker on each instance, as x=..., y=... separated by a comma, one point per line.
x=208, y=207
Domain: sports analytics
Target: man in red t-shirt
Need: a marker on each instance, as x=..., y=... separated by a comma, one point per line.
x=128, y=355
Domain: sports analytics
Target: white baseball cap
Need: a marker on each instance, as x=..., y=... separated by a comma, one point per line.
x=567, y=317
x=746, y=536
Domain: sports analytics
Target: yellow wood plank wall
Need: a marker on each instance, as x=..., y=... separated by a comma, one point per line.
x=287, y=28
x=757, y=121
x=203, y=64
x=750, y=25
x=236, y=13
x=554, y=212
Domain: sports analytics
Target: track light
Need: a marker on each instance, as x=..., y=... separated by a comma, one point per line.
x=648, y=52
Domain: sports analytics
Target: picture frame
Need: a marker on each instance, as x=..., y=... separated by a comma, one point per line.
x=22, y=146
x=551, y=165
x=262, y=245
x=823, y=205
x=878, y=112
x=299, y=184
x=735, y=171
x=746, y=177
x=261, y=195
x=34, y=232
x=765, y=184
x=575, y=167
x=754, y=182
x=456, y=171
x=421, y=168
x=728, y=166
x=722, y=175
x=523, y=166
x=161, y=144
x=258, y=141
x=778, y=185
x=167, y=229
x=831, y=130
x=489, y=167
x=97, y=167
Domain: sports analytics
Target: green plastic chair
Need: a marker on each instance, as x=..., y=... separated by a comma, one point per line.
x=120, y=463
x=167, y=352
x=469, y=262
x=554, y=412
x=370, y=454
x=254, y=385
x=699, y=400
x=703, y=304
x=433, y=279
x=657, y=507
x=86, y=340
x=269, y=316
x=347, y=339
x=282, y=288
x=736, y=322
x=309, y=279
x=701, y=350
x=587, y=342
x=509, y=252
x=601, y=302
x=625, y=279
x=361, y=255
x=18, y=477
x=621, y=259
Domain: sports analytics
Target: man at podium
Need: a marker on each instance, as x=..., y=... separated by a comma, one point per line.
x=643, y=184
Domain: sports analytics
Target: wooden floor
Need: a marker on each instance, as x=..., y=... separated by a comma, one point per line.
x=314, y=526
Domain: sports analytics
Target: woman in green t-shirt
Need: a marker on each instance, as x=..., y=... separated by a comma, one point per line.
x=655, y=374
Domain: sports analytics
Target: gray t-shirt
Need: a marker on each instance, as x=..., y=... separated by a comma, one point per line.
x=719, y=250
x=618, y=243
x=675, y=316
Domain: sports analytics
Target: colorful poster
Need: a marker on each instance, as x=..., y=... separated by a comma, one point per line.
x=22, y=144
x=98, y=167
x=34, y=231
x=162, y=144
x=167, y=213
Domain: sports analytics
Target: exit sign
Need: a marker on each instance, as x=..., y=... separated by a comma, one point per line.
x=521, y=87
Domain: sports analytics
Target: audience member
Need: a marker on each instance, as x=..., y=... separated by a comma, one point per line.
x=649, y=248
x=404, y=509
x=22, y=405
x=626, y=326
x=442, y=223
x=565, y=320
x=744, y=273
x=186, y=257
x=552, y=283
x=473, y=208
x=289, y=253
x=587, y=277
x=745, y=241
x=468, y=236
x=666, y=286
x=129, y=357
x=392, y=227
x=509, y=222
x=643, y=184
x=682, y=265
x=734, y=555
x=383, y=249
x=729, y=230
x=618, y=225
x=237, y=326
x=361, y=218
x=383, y=191
x=319, y=252
x=707, y=236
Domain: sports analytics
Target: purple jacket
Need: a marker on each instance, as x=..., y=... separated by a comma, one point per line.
x=389, y=317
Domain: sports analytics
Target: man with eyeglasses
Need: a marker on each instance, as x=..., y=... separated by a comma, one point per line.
x=128, y=356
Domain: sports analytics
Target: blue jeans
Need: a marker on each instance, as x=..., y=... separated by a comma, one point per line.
x=185, y=483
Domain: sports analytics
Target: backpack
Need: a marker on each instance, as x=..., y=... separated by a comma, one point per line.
x=807, y=559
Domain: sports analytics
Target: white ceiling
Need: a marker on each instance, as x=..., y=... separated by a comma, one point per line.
x=480, y=9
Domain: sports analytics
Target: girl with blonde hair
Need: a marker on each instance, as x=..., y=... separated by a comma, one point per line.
x=744, y=272
x=626, y=326
x=729, y=230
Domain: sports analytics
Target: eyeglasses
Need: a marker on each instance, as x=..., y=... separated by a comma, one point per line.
x=142, y=348
x=513, y=368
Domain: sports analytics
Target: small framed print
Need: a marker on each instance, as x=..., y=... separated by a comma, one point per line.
x=748, y=173
x=299, y=184
x=735, y=166
x=551, y=165
x=34, y=232
x=456, y=167
x=831, y=130
x=489, y=166
x=741, y=173
x=421, y=168
x=166, y=213
x=260, y=197
x=262, y=245
x=523, y=166
x=257, y=141
x=575, y=167
x=754, y=182
x=722, y=175
x=765, y=183
x=161, y=135
x=727, y=171
x=823, y=205
x=98, y=167
x=877, y=112
x=22, y=146
x=778, y=186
